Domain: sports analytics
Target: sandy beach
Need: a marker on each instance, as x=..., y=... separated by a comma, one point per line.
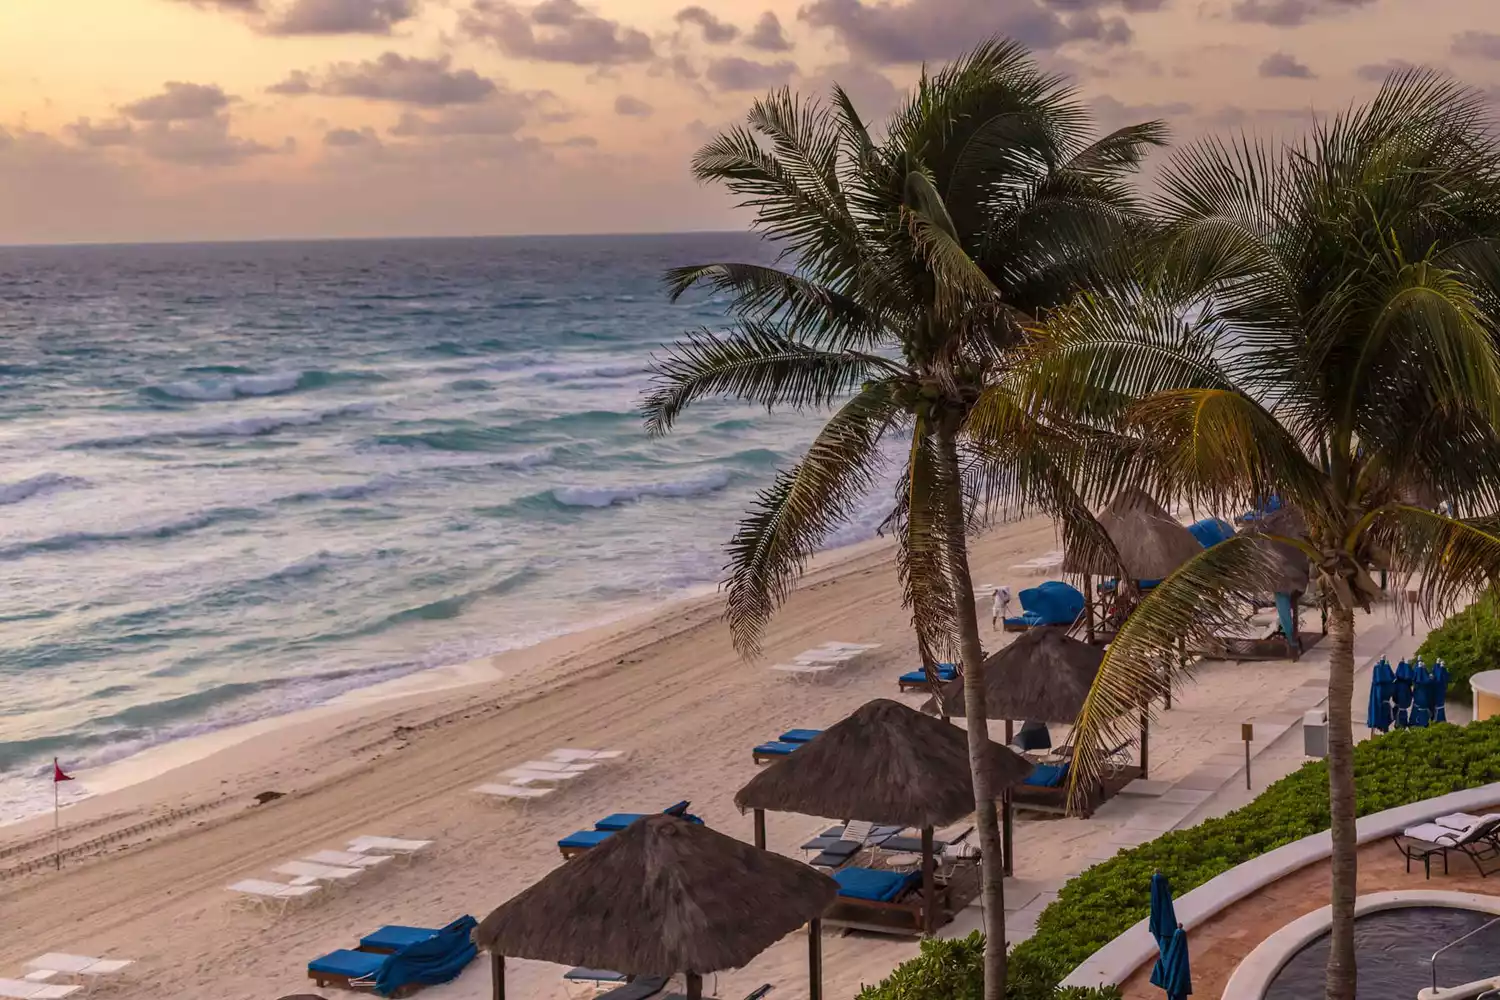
x=146, y=865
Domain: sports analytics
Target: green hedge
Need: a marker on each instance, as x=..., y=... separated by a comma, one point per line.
x=1392, y=770
x=1101, y=903
x=1467, y=643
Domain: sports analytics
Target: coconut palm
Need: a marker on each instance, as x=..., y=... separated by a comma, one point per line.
x=1321, y=330
x=918, y=258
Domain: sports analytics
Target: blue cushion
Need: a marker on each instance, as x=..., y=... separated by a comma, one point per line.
x=394, y=937
x=1030, y=619
x=945, y=672
x=873, y=884
x=778, y=748
x=354, y=964
x=1054, y=602
x=585, y=839
x=1047, y=775
x=617, y=821
x=798, y=735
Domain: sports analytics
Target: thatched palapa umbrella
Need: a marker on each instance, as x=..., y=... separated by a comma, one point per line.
x=886, y=763
x=1149, y=542
x=664, y=895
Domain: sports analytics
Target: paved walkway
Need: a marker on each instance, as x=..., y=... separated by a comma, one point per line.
x=1213, y=786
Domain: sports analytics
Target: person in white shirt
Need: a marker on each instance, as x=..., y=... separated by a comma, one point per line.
x=1002, y=606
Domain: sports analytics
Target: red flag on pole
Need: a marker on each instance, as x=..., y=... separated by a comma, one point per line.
x=57, y=773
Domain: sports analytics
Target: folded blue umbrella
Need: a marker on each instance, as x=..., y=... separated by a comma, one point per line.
x=1163, y=914
x=1382, y=681
x=1439, y=692
x=1401, y=694
x=1173, y=972
x=1421, y=696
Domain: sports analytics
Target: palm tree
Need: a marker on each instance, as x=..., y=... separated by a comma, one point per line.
x=1321, y=329
x=918, y=258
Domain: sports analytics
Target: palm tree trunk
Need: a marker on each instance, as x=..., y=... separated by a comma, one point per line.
x=986, y=816
x=1340, y=981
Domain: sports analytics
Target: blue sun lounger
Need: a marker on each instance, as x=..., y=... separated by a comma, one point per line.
x=437, y=958
x=394, y=937
x=799, y=735
x=916, y=680
x=581, y=841
x=882, y=901
x=774, y=750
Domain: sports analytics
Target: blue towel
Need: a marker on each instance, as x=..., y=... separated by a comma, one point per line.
x=799, y=735
x=873, y=884
x=779, y=748
x=426, y=963
x=1053, y=603
x=354, y=964
x=1047, y=775
x=1211, y=531
x=1030, y=619
x=394, y=937
x=585, y=839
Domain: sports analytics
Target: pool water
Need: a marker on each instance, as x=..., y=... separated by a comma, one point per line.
x=1392, y=948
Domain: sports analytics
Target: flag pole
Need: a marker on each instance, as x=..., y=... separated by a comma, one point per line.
x=56, y=817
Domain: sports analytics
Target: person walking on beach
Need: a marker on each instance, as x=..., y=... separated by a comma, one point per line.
x=1001, y=611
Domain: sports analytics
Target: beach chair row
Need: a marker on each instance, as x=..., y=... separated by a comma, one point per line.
x=323, y=869
x=56, y=975
x=537, y=779
x=396, y=960
x=827, y=657
x=581, y=841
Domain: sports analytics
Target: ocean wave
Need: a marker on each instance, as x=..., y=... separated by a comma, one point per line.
x=258, y=426
x=226, y=387
x=72, y=540
x=590, y=372
x=348, y=491
x=47, y=482
x=606, y=496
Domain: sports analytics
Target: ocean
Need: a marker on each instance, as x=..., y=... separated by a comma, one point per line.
x=241, y=479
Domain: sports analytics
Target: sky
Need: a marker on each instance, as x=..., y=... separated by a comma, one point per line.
x=149, y=120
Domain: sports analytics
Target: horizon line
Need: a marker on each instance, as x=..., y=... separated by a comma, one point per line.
x=85, y=244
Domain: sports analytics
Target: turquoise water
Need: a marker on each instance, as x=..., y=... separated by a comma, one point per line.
x=237, y=480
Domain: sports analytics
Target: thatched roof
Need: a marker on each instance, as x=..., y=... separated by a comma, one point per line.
x=1044, y=675
x=660, y=897
x=1292, y=566
x=886, y=763
x=1150, y=542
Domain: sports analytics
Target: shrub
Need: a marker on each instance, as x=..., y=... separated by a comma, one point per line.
x=1101, y=903
x=1467, y=643
x=954, y=970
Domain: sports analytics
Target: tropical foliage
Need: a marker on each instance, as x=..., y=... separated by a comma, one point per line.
x=1314, y=323
x=953, y=970
x=1405, y=766
x=1467, y=643
x=919, y=255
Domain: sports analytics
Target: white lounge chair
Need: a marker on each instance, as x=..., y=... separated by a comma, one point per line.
x=805, y=670
x=81, y=969
x=266, y=894
x=514, y=793
x=857, y=647
x=388, y=845
x=347, y=859
x=525, y=776
x=825, y=656
x=306, y=872
x=557, y=765
x=569, y=755
x=28, y=989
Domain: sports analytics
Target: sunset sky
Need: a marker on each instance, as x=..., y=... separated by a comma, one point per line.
x=125, y=120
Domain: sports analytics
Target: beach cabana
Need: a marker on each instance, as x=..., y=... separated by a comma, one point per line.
x=1149, y=546
x=660, y=897
x=1045, y=675
x=1291, y=571
x=889, y=764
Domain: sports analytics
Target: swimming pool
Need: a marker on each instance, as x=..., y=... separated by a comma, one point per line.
x=1392, y=949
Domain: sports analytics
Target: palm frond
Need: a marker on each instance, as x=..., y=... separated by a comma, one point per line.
x=1447, y=560
x=1196, y=603
x=754, y=362
x=820, y=315
x=792, y=517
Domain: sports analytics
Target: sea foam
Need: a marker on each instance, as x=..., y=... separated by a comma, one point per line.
x=605, y=496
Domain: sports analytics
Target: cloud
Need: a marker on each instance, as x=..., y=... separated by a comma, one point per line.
x=715, y=31
x=1112, y=113
x=430, y=83
x=349, y=138
x=873, y=93
x=1377, y=72
x=580, y=142
x=767, y=34
x=1477, y=44
x=734, y=73
x=179, y=102
x=632, y=107
x=498, y=118
x=560, y=31
x=203, y=142
x=341, y=17
x=928, y=30
x=116, y=133
x=237, y=6
x=1290, y=13
x=1280, y=64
